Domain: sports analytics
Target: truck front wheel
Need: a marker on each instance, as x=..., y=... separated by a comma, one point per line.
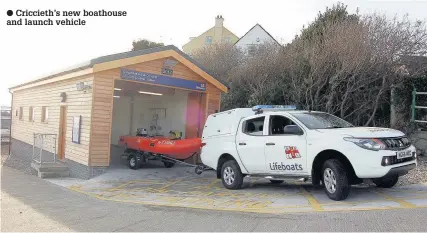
x=335, y=180
x=231, y=176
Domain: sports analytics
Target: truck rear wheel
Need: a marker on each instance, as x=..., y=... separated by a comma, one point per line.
x=335, y=180
x=231, y=176
x=386, y=182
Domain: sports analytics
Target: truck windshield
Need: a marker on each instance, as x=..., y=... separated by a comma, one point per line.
x=5, y=123
x=320, y=120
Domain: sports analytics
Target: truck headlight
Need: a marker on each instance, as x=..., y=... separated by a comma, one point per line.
x=368, y=143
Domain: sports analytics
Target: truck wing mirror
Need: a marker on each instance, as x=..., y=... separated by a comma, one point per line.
x=292, y=129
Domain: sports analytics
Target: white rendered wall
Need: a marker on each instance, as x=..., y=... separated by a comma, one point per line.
x=251, y=38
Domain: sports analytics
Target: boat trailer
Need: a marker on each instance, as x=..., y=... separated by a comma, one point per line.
x=136, y=158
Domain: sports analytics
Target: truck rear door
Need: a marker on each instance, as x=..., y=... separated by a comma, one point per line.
x=250, y=143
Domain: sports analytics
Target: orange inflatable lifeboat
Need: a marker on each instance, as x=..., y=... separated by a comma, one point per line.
x=180, y=149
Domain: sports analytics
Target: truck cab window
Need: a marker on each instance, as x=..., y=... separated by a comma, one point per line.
x=277, y=124
x=254, y=126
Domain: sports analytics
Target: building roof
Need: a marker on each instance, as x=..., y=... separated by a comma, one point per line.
x=263, y=30
x=118, y=56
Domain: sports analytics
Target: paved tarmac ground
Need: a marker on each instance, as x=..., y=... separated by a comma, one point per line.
x=44, y=206
x=181, y=187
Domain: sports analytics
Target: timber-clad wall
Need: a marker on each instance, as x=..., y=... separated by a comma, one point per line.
x=77, y=102
x=95, y=106
x=103, y=91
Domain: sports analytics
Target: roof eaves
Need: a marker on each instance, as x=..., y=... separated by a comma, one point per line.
x=269, y=34
x=263, y=30
x=65, y=71
x=117, y=56
x=246, y=33
x=198, y=36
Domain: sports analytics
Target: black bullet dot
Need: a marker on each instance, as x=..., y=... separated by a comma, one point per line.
x=9, y=12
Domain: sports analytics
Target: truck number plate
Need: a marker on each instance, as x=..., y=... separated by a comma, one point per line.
x=403, y=154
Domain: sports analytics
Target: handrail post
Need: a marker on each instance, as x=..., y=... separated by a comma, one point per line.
x=414, y=95
x=41, y=148
x=54, y=149
x=34, y=143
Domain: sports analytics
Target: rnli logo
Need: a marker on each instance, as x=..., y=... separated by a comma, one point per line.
x=292, y=152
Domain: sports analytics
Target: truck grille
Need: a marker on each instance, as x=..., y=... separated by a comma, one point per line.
x=396, y=143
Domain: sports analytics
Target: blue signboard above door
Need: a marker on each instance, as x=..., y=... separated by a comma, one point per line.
x=161, y=80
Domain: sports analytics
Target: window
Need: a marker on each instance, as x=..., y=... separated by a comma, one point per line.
x=226, y=39
x=277, y=125
x=21, y=113
x=208, y=40
x=45, y=113
x=254, y=126
x=321, y=120
x=31, y=114
x=251, y=49
x=16, y=112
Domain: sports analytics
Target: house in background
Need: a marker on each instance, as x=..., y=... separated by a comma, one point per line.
x=216, y=34
x=255, y=36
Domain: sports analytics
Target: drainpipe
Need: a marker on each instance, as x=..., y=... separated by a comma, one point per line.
x=131, y=114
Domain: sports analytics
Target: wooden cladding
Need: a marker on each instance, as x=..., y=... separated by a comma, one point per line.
x=102, y=115
x=42, y=102
x=45, y=102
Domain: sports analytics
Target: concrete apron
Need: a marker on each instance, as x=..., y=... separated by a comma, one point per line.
x=181, y=187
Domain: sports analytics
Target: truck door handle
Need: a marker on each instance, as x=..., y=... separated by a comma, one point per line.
x=242, y=144
x=270, y=144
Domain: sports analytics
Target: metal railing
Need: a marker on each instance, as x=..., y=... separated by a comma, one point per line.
x=414, y=106
x=44, y=148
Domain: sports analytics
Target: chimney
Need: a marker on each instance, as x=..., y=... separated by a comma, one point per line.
x=219, y=21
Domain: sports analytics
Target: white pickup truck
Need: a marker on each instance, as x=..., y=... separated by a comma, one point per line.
x=277, y=142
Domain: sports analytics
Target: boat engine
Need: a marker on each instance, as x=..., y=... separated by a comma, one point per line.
x=141, y=132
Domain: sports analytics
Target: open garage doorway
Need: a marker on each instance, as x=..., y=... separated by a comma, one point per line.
x=157, y=109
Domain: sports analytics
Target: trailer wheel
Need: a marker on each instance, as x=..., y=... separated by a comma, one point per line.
x=198, y=170
x=133, y=162
x=168, y=164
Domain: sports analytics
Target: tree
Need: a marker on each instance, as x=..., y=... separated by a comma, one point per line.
x=219, y=59
x=144, y=44
x=345, y=64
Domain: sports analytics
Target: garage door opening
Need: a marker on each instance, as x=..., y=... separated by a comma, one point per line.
x=157, y=109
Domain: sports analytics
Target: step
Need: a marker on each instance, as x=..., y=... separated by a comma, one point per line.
x=53, y=174
x=51, y=170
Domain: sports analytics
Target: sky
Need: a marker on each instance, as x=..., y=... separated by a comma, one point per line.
x=30, y=52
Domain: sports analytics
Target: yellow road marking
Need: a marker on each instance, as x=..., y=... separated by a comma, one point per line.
x=212, y=184
x=314, y=203
x=170, y=184
x=273, y=210
x=402, y=203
